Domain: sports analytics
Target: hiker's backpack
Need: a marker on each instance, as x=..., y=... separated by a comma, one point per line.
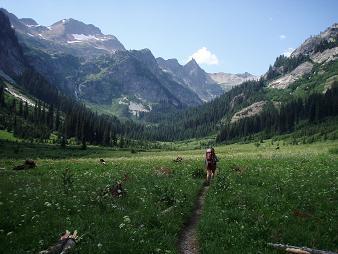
x=209, y=157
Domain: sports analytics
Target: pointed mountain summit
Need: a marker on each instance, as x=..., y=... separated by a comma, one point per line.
x=192, y=76
x=192, y=64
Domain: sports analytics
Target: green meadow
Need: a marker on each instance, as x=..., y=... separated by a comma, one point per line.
x=260, y=194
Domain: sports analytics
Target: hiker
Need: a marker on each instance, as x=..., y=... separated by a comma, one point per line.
x=210, y=163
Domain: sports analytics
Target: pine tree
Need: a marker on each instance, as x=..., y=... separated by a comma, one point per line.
x=50, y=117
x=2, y=95
x=13, y=106
x=57, y=120
x=121, y=144
x=25, y=111
x=20, y=108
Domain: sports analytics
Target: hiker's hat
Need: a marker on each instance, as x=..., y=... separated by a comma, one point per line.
x=209, y=150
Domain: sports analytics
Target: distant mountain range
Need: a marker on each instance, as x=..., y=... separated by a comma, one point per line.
x=65, y=36
x=229, y=80
x=299, y=89
x=96, y=68
x=302, y=87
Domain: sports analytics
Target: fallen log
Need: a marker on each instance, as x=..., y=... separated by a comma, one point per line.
x=28, y=164
x=299, y=250
x=63, y=246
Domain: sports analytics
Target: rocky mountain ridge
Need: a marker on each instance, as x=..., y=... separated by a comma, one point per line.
x=317, y=50
x=229, y=80
x=12, y=62
x=192, y=76
x=67, y=35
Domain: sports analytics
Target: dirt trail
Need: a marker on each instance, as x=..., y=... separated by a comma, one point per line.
x=188, y=242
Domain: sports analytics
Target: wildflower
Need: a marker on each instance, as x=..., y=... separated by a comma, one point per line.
x=48, y=204
x=126, y=219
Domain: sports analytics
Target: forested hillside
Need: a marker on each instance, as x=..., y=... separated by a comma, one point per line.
x=296, y=91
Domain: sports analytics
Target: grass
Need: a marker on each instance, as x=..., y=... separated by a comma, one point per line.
x=280, y=196
x=260, y=195
x=5, y=135
x=37, y=205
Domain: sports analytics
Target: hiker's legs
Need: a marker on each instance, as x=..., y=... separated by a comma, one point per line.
x=213, y=172
x=208, y=175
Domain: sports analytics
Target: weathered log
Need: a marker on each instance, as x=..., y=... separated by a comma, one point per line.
x=30, y=164
x=299, y=250
x=26, y=165
x=63, y=246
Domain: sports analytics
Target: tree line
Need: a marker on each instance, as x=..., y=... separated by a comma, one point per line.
x=54, y=111
x=273, y=121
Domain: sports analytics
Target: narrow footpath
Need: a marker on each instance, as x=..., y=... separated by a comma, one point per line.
x=188, y=241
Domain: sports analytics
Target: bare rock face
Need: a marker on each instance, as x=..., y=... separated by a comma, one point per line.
x=229, y=80
x=309, y=46
x=191, y=76
x=250, y=111
x=12, y=61
x=236, y=100
x=67, y=35
x=325, y=56
x=287, y=79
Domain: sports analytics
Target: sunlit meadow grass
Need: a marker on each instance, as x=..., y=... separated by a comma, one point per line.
x=287, y=195
x=35, y=207
x=281, y=196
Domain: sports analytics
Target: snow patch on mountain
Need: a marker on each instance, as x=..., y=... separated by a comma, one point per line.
x=19, y=96
x=136, y=108
x=83, y=37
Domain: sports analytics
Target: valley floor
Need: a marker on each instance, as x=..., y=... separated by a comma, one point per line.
x=261, y=194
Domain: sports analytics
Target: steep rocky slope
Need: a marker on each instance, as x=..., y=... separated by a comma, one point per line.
x=12, y=62
x=192, y=76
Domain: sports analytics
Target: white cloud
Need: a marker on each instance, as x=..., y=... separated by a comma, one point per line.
x=204, y=56
x=287, y=52
x=282, y=36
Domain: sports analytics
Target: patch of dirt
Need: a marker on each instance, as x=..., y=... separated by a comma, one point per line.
x=188, y=241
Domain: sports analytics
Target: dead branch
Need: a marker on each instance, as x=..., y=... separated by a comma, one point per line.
x=298, y=250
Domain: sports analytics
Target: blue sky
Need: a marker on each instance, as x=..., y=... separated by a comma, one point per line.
x=228, y=36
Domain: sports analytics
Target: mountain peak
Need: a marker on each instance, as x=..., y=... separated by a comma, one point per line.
x=73, y=26
x=308, y=46
x=192, y=62
x=29, y=22
x=192, y=66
